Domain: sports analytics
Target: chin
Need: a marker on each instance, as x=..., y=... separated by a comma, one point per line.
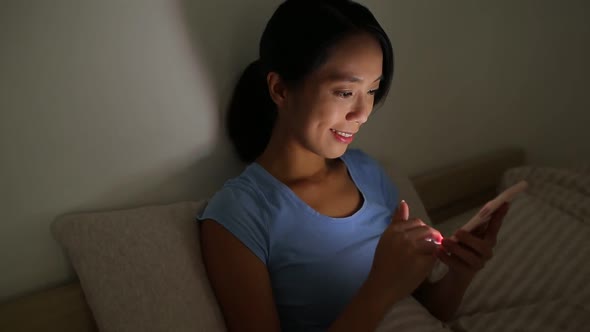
x=329, y=149
x=334, y=152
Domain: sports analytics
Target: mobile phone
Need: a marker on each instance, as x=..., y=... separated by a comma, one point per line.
x=485, y=214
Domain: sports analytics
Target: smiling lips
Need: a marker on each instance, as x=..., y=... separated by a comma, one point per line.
x=342, y=136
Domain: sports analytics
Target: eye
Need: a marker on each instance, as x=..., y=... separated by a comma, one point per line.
x=343, y=94
x=373, y=92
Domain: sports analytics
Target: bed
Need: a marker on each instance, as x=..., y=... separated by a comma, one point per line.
x=538, y=278
x=535, y=282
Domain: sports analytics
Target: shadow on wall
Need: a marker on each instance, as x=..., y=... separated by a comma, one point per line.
x=223, y=39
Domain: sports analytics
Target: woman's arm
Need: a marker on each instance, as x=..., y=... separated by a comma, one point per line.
x=240, y=281
x=443, y=298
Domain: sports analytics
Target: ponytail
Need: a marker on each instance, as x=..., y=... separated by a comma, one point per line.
x=252, y=114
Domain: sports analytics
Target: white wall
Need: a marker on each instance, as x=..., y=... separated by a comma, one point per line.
x=474, y=75
x=110, y=104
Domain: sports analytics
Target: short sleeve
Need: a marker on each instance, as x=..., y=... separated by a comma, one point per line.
x=240, y=211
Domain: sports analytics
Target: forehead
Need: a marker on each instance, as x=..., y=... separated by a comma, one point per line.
x=357, y=58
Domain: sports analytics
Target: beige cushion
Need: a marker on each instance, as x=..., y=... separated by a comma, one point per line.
x=141, y=269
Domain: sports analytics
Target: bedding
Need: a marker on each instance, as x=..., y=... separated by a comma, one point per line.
x=538, y=277
x=535, y=282
x=158, y=238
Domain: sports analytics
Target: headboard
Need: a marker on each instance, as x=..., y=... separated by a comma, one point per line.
x=450, y=190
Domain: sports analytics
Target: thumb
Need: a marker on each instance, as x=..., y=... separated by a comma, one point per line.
x=402, y=212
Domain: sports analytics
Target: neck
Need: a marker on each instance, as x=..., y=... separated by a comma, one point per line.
x=289, y=161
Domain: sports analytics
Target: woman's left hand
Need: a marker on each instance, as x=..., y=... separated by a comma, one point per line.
x=467, y=253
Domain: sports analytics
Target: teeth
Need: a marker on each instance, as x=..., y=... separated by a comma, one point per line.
x=341, y=133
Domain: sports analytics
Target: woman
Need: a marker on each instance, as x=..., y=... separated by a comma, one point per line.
x=306, y=238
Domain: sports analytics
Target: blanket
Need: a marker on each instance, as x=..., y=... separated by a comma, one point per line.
x=538, y=277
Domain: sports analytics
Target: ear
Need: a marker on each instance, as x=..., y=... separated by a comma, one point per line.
x=277, y=89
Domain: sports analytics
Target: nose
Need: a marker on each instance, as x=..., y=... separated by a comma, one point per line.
x=360, y=110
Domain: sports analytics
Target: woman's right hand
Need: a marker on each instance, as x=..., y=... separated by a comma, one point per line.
x=403, y=258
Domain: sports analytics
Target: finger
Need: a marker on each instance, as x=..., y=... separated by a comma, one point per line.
x=495, y=223
x=426, y=247
x=420, y=232
x=405, y=210
x=467, y=256
x=402, y=212
x=450, y=260
x=433, y=234
x=396, y=219
x=484, y=212
x=480, y=231
x=419, y=236
x=483, y=248
x=407, y=225
x=437, y=236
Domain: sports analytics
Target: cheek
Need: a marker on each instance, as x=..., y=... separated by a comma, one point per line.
x=329, y=109
x=333, y=114
x=315, y=112
x=324, y=116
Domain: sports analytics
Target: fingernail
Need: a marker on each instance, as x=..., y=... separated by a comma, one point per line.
x=403, y=201
x=433, y=241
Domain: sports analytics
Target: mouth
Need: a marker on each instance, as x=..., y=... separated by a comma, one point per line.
x=343, y=136
x=342, y=133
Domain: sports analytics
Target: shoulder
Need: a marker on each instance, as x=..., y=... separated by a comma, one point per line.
x=239, y=206
x=239, y=195
x=362, y=161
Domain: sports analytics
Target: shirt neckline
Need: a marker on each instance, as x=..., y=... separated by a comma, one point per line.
x=353, y=175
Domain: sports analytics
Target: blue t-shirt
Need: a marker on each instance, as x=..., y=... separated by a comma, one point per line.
x=316, y=263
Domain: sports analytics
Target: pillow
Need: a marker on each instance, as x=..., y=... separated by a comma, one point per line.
x=141, y=269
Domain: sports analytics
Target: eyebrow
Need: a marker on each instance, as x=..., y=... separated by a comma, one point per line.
x=339, y=77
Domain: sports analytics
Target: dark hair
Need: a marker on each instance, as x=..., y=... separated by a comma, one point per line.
x=294, y=43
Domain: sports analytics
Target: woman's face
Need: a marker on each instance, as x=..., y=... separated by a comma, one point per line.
x=328, y=109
